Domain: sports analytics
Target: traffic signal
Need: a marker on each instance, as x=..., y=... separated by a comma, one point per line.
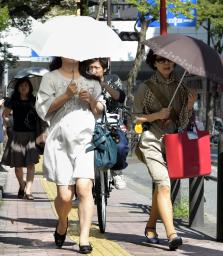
x=129, y=36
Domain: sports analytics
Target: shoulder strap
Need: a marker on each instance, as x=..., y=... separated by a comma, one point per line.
x=161, y=98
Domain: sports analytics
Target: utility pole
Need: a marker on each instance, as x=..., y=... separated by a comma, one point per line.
x=163, y=25
x=109, y=18
x=109, y=13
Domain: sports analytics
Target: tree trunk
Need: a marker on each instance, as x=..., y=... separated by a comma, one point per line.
x=210, y=112
x=100, y=9
x=1, y=72
x=210, y=106
x=84, y=8
x=131, y=80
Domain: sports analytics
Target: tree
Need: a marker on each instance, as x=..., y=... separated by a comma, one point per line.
x=4, y=18
x=84, y=8
x=210, y=17
x=100, y=9
x=145, y=8
x=6, y=57
x=20, y=10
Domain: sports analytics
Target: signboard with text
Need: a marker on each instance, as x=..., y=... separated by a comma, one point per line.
x=174, y=20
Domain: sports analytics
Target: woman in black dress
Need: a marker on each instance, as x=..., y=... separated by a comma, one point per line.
x=20, y=150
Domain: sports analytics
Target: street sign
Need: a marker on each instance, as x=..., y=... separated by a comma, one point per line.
x=34, y=54
x=174, y=20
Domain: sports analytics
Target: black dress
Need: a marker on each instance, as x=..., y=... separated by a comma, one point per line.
x=21, y=150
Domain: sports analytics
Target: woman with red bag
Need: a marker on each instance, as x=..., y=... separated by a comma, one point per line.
x=157, y=119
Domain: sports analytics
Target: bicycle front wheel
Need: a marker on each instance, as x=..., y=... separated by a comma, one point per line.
x=101, y=197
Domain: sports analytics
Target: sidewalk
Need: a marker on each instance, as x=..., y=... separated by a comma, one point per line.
x=26, y=227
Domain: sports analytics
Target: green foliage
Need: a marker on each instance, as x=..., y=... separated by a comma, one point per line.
x=145, y=8
x=4, y=18
x=20, y=10
x=212, y=11
x=60, y=10
x=17, y=12
x=84, y=9
x=6, y=57
x=181, y=210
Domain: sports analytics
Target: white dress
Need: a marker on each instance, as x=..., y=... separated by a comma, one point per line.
x=70, y=132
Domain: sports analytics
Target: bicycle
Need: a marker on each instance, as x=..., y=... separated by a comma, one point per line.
x=101, y=193
x=133, y=137
x=104, y=183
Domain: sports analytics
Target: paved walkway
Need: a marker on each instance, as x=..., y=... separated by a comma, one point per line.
x=26, y=227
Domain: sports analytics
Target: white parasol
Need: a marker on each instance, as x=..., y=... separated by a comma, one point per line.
x=74, y=37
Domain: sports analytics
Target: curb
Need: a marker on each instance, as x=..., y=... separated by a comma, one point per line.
x=3, y=180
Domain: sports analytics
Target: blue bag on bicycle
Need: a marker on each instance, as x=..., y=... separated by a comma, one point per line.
x=122, y=149
x=105, y=149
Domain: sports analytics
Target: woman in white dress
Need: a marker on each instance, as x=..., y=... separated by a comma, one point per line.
x=69, y=99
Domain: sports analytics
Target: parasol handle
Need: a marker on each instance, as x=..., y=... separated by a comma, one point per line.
x=181, y=80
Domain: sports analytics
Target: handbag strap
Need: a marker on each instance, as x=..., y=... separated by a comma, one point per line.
x=96, y=144
x=99, y=141
x=104, y=119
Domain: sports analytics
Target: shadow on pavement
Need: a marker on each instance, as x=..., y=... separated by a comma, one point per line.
x=187, y=248
x=13, y=196
x=50, y=223
x=30, y=243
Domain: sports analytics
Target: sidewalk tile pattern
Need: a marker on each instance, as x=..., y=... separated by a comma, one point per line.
x=101, y=245
x=27, y=227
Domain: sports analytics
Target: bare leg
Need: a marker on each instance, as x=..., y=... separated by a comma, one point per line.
x=63, y=204
x=29, y=178
x=85, y=208
x=162, y=205
x=154, y=213
x=19, y=176
x=166, y=210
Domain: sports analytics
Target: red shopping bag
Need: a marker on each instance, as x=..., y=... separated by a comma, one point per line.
x=188, y=154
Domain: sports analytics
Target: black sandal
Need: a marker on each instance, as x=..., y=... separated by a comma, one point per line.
x=21, y=192
x=175, y=242
x=59, y=239
x=85, y=249
x=154, y=239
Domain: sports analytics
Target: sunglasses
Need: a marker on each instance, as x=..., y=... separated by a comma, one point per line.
x=162, y=60
x=94, y=67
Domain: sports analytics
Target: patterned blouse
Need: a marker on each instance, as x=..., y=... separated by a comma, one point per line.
x=114, y=82
x=167, y=87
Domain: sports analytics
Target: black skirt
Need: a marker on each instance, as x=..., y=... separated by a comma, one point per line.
x=20, y=150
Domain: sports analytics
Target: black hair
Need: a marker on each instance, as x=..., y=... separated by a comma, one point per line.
x=56, y=63
x=16, y=94
x=151, y=58
x=104, y=62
